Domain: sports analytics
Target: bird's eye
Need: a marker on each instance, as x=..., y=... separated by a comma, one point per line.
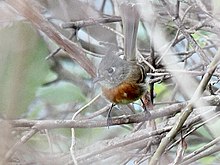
x=111, y=70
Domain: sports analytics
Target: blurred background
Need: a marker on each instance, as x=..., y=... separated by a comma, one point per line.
x=40, y=81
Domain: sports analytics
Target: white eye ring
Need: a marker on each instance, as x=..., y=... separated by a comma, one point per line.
x=111, y=70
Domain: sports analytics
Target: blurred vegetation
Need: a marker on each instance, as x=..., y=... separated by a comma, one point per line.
x=23, y=68
x=32, y=87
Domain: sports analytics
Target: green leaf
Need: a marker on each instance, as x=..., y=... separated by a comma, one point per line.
x=62, y=92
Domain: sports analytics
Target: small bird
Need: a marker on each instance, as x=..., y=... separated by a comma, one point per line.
x=123, y=80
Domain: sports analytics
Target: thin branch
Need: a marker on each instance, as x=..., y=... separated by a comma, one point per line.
x=90, y=22
x=181, y=27
x=210, y=150
x=178, y=125
x=113, y=144
x=135, y=118
x=18, y=144
x=25, y=9
x=73, y=142
x=97, y=113
x=134, y=139
x=194, y=129
x=58, y=49
x=200, y=150
x=177, y=9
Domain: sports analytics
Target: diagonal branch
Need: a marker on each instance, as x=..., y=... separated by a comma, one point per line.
x=188, y=36
x=23, y=140
x=27, y=10
x=200, y=89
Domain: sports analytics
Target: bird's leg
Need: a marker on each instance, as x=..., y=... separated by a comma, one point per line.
x=109, y=119
x=147, y=113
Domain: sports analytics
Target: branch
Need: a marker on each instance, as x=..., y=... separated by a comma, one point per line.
x=132, y=140
x=18, y=144
x=181, y=27
x=90, y=22
x=25, y=9
x=37, y=125
x=136, y=118
x=207, y=152
x=200, y=89
x=196, y=154
x=213, y=100
x=117, y=142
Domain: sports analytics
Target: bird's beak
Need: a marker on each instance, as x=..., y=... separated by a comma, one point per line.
x=97, y=79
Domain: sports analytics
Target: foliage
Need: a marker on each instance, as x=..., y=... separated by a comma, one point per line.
x=52, y=112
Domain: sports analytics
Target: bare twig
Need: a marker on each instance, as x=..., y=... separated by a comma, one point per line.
x=113, y=144
x=206, y=150
x=58, y=49
x=187, y=110
x=73, y=142
x=194, y=129
x=18, y=144
x=25, y=9
x=136, y=118
x=181, y=27
x=90, y=22
x=135, y=139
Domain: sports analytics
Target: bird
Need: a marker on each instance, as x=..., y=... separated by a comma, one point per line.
x=123, y=81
